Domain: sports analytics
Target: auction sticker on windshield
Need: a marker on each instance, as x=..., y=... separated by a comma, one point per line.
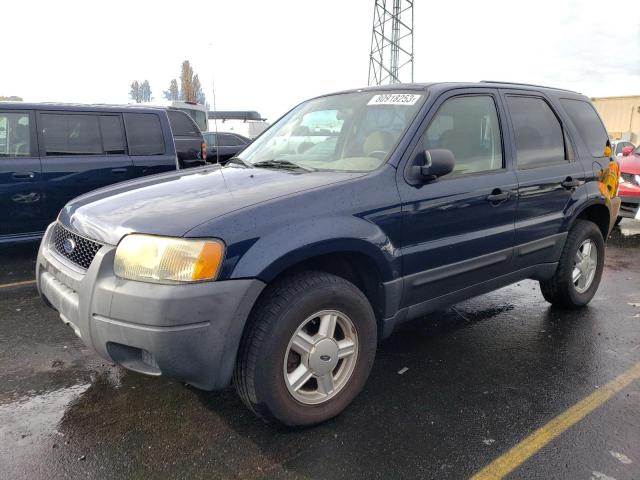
x=394, y=99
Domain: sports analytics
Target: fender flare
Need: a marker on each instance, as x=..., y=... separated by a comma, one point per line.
x=292, y=244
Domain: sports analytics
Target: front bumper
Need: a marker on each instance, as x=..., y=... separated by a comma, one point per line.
x=188, y=332
x=630, y=207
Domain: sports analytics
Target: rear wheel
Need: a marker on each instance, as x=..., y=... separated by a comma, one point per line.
x=577, y=277
x=307, y=351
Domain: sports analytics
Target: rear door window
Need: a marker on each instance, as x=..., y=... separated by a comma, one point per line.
x=589, y=126
x=144, y=134
x=112, y=138
x=182, y=125
x=70, y=134
x=538, y=133
x=15, y=136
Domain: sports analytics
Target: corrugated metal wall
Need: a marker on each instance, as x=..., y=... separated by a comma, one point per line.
x=621, y=116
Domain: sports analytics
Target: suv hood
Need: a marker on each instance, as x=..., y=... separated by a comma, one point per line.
x=172, y=204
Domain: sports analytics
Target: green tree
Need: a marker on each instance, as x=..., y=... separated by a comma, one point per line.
x=11, y=98
x=190, y=88
x=145, y=91
x=174, y=92
x=197, y=91
x=140, y=92
x=135, y=94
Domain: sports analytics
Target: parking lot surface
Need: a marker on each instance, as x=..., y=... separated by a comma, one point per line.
x=448, y=395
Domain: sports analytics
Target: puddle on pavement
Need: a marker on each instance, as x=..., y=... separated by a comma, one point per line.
x=30, y=424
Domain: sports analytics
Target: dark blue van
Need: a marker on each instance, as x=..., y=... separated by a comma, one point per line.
x=51, y=153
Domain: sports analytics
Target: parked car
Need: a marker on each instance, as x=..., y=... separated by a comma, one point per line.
x=284, y=272
x=629, y=189
x=51, y=153
x=618, y=147
x=221, y=146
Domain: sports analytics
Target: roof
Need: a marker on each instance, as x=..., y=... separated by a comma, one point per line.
x=76, y=107
x=450, y=85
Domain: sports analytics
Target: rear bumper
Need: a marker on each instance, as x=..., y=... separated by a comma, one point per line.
x=188, y=332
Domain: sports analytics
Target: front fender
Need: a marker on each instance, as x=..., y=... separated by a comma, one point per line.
x=292, y=244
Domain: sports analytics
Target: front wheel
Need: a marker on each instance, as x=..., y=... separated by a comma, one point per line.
x=308, y=349
x=577, y=277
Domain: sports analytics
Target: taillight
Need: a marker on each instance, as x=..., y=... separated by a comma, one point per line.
x=203, y=151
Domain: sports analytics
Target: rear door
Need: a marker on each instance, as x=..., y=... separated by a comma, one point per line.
x=548, y=177
x=149, y=144
x=80, y=152
x=20, y=175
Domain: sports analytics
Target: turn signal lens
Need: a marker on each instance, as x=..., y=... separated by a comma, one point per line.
x=148, y=258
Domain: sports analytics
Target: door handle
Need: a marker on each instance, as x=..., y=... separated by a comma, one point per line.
x=119, y=170
x=24, y=175
x=570, y=183
x=498, y=196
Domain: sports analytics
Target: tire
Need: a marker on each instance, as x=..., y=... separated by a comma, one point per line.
x=267, y=358
x=560, y=290
x=618, y=220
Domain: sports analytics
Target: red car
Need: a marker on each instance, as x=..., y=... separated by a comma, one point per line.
x=629, y=188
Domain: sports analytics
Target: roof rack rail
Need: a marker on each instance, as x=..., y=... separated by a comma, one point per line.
x=528, y=85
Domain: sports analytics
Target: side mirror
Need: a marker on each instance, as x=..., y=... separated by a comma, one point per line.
x=626, y=151
x=437, y=163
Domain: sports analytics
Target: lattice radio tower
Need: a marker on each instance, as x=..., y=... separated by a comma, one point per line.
x=391, y=59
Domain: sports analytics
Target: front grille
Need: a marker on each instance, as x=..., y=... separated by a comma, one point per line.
x=630, y=178
x=83, y=249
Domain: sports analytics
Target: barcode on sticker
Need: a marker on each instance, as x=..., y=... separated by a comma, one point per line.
x=394, y=99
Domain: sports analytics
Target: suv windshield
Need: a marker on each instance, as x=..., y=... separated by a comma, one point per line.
x=344, y=132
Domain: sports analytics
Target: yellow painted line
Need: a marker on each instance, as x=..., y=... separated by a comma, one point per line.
x=18, y=284
x=519, y=454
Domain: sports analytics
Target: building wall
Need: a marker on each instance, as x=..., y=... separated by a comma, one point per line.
x=621, y=116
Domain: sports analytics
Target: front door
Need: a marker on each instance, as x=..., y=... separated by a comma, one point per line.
x=20, y=176
x=458, y=231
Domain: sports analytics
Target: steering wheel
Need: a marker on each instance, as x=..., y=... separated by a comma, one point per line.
x=379, y=154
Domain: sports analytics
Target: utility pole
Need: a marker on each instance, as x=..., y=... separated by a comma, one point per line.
x=391, y=57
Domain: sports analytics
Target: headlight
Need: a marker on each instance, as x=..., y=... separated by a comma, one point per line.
x=148, y=258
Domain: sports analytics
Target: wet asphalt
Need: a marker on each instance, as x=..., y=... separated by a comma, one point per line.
x=480, y=377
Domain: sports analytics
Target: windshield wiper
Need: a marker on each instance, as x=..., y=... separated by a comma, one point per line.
x=286, y=164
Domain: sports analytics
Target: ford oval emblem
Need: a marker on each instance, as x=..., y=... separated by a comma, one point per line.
x=69, y=245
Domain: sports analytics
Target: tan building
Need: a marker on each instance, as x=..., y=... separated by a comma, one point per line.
x=621, y=116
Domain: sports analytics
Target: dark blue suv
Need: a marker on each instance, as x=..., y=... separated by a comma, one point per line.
x=353, y=213
x=51, y=153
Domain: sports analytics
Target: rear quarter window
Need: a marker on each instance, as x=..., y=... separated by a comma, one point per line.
x=589, y=126
x=144, y=134
x=182, y=125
